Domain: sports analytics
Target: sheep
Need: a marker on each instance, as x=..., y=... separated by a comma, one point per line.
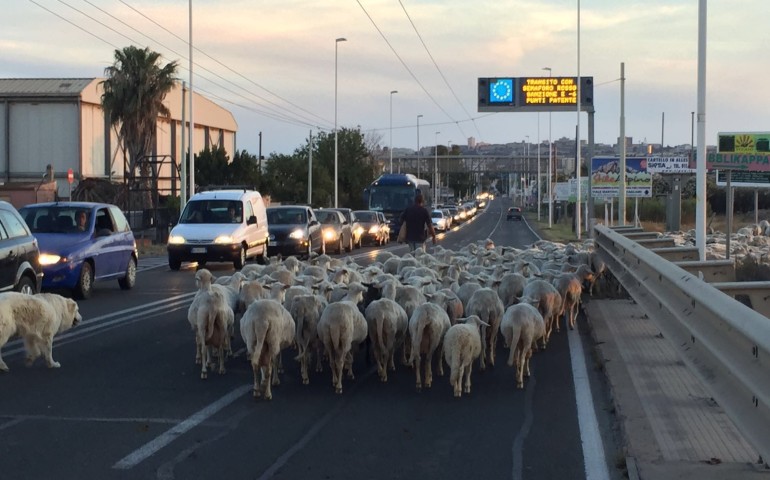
x=427, y=326
x=570, y=287
x=340, y=327
x=266, y=328
x=250, y=290
x=387, y=323
x=487, y=305
x=306, y=311
x=511, y=287
x=546, y=299
x=206, y=314
x=462, y=345
x=522, y=326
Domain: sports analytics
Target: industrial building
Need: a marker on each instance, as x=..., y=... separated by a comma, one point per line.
x=60, y=122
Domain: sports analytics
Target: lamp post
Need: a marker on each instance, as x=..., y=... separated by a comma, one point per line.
x=418, y=145
x=526, y=172
x=336, y=152
x=435, y=168
x=191, y=130
x=550, y=163
x=391, y=129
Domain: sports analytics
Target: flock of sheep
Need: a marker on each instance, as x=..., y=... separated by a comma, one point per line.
x=449, y=304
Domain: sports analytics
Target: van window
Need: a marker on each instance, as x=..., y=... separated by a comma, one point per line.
x=212, y=211
x=249, y=212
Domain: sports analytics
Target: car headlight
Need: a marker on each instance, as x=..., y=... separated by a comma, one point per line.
x=297, y=234
x=329, y=234
x=224, y=239
x=360, y=231
x=175, y=240
x=49, y=258
x=374, y=229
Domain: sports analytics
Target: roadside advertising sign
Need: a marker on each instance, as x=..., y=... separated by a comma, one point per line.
x=605, y=177
x=744, y=178
x=749, y=151
x=669, y=165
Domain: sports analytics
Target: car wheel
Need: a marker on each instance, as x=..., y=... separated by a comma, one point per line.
x=241, y=260
x=128, y=282
x=85, y=286
x=174, y=263
x=262, y=257
x=25, y=286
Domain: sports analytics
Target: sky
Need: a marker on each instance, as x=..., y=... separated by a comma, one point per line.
x=272, y=64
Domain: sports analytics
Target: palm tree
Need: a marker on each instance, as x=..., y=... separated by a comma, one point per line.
x=133, y=98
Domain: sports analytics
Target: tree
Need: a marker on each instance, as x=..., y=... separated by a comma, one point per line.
x=286, y=175
x=133, y=99
x=212, y=167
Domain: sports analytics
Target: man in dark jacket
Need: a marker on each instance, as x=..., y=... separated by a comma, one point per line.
x=416, y=219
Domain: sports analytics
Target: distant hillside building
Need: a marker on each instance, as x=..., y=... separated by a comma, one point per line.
x=60, y=121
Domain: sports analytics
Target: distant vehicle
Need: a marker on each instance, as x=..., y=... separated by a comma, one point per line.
x=384, y=225
x=373, y=230
x=514, y=213
x=220, y=226
x=336, y=230
x=352, y=222
x=449, y=217
x=391, y=193
x=439, y=220
x=20, y=268
x=455, y=213
x=294, y=230
x=82, y=243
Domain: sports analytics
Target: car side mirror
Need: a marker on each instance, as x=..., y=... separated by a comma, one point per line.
x=313, y=223
x=103, y=232
x=252, y=220
x=345, y=222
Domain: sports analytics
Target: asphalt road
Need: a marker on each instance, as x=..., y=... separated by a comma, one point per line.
x=128, y=403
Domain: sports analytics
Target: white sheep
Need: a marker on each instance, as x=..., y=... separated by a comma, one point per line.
x=521, y=328
x=387, y=323
x=462, y=345
x=487, y=305
x=427, y=327
x=543, y=296
x=306, y=311
x=266, y=328
x=340, y=328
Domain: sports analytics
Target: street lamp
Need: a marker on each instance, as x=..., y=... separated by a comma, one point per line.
x=435, y=169
x=550, y=163
x=391, y=129
x=418, y=145
x=336, y=152
x=526, y=168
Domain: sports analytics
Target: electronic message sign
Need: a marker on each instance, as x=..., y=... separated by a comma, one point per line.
x=535, y=94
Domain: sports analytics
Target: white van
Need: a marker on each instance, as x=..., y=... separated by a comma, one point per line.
x=220, y=226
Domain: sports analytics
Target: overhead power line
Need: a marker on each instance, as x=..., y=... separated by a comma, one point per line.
x=443, y=77
x=392, y=49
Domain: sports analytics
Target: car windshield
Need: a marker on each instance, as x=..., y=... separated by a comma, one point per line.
x=286, y=216
x=212, y=211
x=366, y=216
x=436, y=214
x=327, y=217
x=57, y=219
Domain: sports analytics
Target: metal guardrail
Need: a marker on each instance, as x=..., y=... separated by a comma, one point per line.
x=724, y=342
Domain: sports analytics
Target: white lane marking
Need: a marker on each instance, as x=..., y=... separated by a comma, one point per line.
x=593, y=448
x=11, y=423
x=150, y=448
x=82, y=331
x=518, y=442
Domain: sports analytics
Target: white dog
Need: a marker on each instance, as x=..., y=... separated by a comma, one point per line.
x=36, y=318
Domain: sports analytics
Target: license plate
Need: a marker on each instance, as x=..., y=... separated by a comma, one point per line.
x=198, y=250
x=271, y=244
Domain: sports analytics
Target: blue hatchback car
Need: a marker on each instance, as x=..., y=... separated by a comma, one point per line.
x=81, y=243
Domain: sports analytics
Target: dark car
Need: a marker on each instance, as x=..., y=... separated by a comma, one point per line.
x=355, y=228
x=293, y=230
x=336, y=230
x=514, y=213
x=20, y=268
x=373, y=232
x=82, y=243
